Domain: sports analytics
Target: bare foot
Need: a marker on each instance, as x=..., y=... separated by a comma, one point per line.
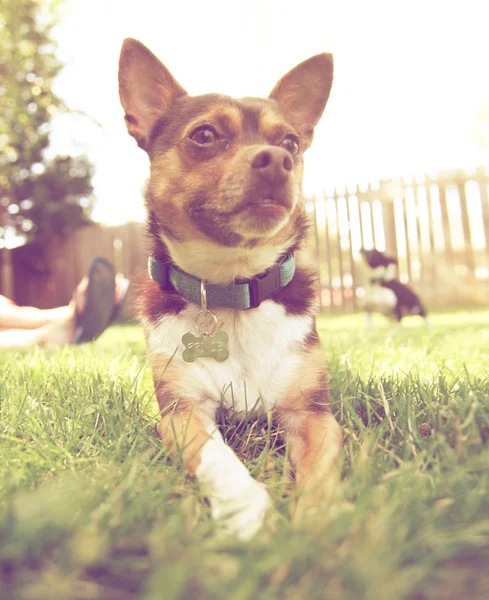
x=79, y=300
x=121, y=286
x=59, y=333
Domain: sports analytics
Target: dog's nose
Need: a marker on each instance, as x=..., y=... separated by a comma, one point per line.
x=273, y=164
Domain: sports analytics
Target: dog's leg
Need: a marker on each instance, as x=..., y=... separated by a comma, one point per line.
x=238, y=502
x=313, y=436
x=314, y=452
x=368, y=320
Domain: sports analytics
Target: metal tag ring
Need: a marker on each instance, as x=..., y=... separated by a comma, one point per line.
x=206, y=322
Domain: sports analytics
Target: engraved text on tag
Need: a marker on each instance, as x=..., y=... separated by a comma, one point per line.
x=212, y=346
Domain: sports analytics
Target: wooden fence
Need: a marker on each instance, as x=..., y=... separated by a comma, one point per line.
x=437, y=227
x=49, y=279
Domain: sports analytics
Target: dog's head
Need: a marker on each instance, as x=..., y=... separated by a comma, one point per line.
x=224, y=172
x=374, y=258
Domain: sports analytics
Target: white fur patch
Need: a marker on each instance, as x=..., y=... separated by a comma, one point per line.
x=380, y=299
x=238, y=502
x=264, y=354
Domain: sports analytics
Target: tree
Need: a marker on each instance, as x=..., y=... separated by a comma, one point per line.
x=37, y=197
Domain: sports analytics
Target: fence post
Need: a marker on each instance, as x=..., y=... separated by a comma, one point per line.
x=447, y=234
x=353, y=269
x=419, y=241
x=389, y=227
x=338, y=246
x=484, y=195
x=431, y=231
x=328, y=252
x=316, y=249
x=468, y=250
x=406, y=230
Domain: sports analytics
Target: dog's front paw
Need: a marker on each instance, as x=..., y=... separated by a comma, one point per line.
x=244, y=515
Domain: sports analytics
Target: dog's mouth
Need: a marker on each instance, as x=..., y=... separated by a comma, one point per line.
x=270, y=205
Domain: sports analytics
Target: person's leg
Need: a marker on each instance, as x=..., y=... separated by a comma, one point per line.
x=58, y=331
x=28, y=326
x=19, y=337
x=24, y=326
x=28, y=317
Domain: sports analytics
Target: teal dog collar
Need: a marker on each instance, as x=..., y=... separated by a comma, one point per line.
x=242, y=294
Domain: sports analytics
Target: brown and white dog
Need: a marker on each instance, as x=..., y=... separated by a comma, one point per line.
x=225, y=213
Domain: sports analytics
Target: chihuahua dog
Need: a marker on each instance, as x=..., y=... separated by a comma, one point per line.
x=387, y=294
x=228, y=313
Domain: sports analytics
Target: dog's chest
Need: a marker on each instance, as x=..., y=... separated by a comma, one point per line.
x=265, y=349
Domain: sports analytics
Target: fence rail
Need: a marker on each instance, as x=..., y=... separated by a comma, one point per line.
x=437, y=227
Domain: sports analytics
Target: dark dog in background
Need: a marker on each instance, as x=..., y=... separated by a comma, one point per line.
x=387, y=294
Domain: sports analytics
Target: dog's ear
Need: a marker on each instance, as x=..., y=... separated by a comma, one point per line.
x=146, y=88
x=303, y=92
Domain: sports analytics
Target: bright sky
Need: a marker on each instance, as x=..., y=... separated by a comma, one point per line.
x=409, y=80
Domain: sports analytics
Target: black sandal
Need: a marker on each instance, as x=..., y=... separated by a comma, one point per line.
x=100, y=302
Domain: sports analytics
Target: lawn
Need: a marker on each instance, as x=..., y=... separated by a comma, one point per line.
x=91, y=507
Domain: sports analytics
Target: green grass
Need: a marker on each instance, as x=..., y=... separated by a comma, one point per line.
x=91, y=507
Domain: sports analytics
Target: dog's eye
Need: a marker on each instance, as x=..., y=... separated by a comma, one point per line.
x=204, y=136
x=291, y=143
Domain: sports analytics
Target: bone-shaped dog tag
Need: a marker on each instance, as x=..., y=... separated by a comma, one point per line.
x=211, y=346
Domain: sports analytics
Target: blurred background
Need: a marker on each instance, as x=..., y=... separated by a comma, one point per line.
x=400, y=160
